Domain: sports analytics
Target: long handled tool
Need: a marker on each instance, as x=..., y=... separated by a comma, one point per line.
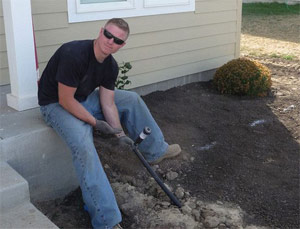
x=142, y=136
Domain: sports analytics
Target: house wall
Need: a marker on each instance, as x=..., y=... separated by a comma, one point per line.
x=160, y=48
x=4, y=74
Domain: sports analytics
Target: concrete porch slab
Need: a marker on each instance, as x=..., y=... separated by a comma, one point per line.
x=16, y=211
x=25, y=216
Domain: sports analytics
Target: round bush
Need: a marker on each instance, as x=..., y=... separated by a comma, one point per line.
x=243, y=77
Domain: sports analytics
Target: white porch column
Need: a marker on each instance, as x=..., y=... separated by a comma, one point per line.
x=20, y=53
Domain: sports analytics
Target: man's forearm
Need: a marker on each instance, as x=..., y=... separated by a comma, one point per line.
x=111, y=116
x=76, y=109
x=69, y=103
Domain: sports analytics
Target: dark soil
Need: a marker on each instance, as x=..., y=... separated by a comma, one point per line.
x=224, y=157
x=255, y=167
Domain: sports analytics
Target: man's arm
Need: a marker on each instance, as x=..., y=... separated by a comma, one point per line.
x=69, y=103
x=109, y=108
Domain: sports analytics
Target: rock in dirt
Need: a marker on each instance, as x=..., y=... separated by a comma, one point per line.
x=152, y=212
x=140, y=205
x=186, y=210
x=130, y=200
x=215, y=215
x=179, y=192
x=171, y=175
x=170, y=218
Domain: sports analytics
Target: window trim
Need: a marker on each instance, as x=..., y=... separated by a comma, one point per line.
x=158, y=3
x=107, y=6
x=131, y=8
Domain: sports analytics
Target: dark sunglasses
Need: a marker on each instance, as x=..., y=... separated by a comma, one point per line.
x=109, y=36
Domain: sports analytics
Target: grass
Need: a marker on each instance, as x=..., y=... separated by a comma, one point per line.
x=284, y=56
x=260, y=53
x=273, y=55
x=270, y=9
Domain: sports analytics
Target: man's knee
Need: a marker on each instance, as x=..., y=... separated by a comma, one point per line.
x=128, y=97
x=134, y=96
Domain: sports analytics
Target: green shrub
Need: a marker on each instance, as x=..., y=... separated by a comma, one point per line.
x=122, y=79
x=243, y=77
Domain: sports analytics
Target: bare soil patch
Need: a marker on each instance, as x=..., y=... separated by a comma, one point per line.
x=239, y=153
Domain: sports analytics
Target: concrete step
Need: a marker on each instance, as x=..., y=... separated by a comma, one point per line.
x=16, y=211
x=25, y=216
x=14, y=188
x=35, y=151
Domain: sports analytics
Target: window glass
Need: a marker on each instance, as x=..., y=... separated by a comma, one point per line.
x=99, y=1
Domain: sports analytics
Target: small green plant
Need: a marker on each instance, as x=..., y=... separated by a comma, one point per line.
x=122, y=79
x=284, y=56
x=274, y=55
x=289, y=57
x=243, y=77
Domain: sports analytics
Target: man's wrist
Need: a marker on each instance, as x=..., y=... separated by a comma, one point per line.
x=94, y=123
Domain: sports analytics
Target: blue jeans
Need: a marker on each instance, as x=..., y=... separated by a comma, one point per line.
x=96, y=190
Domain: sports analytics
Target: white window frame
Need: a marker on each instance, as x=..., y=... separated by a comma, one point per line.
x=78, y=12
x=158, y=3
x=107, y=6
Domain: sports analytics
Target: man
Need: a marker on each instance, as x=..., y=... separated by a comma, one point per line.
x=76, y=93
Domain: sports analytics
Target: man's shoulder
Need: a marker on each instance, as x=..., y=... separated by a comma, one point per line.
x=76, y=50
x=74, y=47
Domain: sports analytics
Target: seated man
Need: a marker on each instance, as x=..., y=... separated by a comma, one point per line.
x=76, y=93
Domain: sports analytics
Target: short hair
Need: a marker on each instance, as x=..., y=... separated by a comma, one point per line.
x=120, y=23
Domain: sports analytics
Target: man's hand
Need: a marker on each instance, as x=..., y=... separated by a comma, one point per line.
x=125, y=140
x=105, y=128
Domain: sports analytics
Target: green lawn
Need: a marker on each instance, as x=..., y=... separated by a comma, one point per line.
x=270, y=9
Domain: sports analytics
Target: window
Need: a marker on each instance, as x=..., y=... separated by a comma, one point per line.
x=92, y=10
x=100, y=6
x=99, y=1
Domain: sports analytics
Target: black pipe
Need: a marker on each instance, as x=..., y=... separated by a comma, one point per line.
x=141, y=137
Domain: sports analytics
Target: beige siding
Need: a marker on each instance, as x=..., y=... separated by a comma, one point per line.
x=1, y=25
x=3, y=60
x=168, y=62
x=239, y=28
x=5, y=79
x=160, y=47
x=215, y=6
x=2, y=43
x=48, y=6
x=178, y=71
x=50, y=21
x=4, y=75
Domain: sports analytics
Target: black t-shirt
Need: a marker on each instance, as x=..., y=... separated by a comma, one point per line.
x=74, y=64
